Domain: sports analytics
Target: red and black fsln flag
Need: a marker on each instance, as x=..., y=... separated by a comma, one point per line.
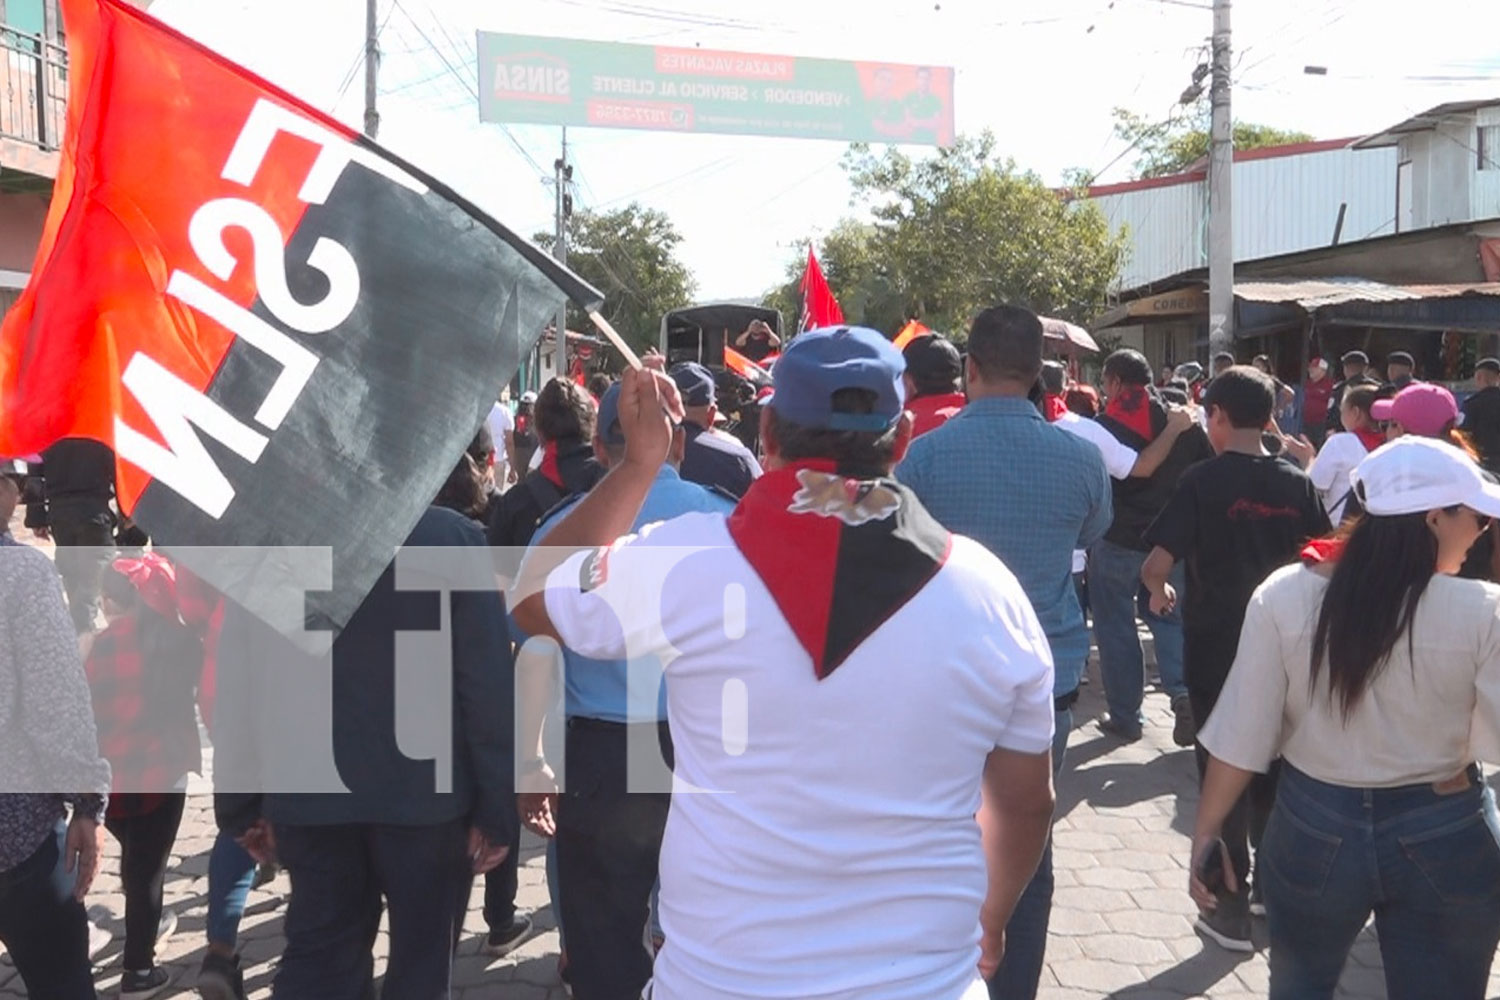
x=287, y=334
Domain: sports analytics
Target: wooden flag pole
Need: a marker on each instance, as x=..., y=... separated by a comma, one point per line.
x=631, y=358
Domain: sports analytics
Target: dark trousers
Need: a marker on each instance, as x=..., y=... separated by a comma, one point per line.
x=44, y=928
x=84, y=547
x=608, y=842
x=146, y=841
x=501, y=884
x=1207, y=658
x=339, y=876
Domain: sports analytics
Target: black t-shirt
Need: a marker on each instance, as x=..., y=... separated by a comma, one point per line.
x=1234, y=519
x=757, y=347
x=1137, y=501
x=1482, y=424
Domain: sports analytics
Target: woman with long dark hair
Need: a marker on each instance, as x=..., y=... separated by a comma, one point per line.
x=1374, y=673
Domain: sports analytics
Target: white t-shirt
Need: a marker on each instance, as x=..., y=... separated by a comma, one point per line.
x=1330, y=471
x=822, y=842
x=501, y=423
x=1431, y=710
x=1119, y=458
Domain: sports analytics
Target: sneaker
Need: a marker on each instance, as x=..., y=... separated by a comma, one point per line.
x=99, y=939
x=506, y=939
x=1185, y=728
x=1228, y=926
x=1126, y=732
x=220, y=978
x=166, y=927
x=1257, y=901
x=140, y=985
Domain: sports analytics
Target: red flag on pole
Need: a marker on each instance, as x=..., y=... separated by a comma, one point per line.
x=819, y=307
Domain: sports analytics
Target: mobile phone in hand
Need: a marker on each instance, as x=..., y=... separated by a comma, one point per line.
x=1211, y=871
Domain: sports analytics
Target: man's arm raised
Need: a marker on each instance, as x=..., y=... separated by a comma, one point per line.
x=649, y=408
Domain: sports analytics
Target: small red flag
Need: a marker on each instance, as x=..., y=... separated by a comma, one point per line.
x=744, y=367
x=819, y=307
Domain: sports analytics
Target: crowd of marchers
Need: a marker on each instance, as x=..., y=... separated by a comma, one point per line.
x=901, y=587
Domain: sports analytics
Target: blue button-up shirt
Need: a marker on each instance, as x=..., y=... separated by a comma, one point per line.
x=622, y=690
x=1029, y=492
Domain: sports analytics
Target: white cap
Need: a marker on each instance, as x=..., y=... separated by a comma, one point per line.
x=528, y=396
x=1414, y=474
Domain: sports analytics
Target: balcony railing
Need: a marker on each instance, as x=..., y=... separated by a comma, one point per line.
x=33, y=89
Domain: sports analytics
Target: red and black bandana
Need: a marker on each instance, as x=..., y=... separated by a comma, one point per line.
x=1131, y=407
x=839, y=555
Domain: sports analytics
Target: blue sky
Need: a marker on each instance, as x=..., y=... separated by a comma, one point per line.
x=1042, y=74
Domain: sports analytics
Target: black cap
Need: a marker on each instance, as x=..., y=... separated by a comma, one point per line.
x=1355, y=357
x=1400, y=358
x=695, y=383
x=1488, y=364
x=932, y=359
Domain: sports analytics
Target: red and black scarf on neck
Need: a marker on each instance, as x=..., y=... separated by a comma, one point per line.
x=839, y=554
x=1131, y=407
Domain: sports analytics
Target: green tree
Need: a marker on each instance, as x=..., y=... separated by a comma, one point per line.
x=1175, y=145
x=967, y=229
x=629, y=254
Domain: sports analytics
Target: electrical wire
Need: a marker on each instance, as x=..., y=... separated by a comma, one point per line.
x=471, y=87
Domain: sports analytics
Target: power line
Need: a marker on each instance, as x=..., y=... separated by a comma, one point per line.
x=472, y=88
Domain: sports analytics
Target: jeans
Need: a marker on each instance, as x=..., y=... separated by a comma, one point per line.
x=608, y=844
x=1020, y=972
x=1426, y=863
x=231, y=872
x=146, y=840
x=84, y=548
x=339, y=876
x=44, y=928
x=1116, y=595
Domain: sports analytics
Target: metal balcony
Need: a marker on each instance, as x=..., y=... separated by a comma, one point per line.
x=33, y=107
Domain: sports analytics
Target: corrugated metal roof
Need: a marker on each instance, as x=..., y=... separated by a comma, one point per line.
x=1336, y=291
x=1281, y=205
x=1430, y=118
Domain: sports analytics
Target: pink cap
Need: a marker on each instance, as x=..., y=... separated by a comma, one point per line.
x=1421, y=408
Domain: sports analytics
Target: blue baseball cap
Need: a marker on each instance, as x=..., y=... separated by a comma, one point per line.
x=694, y=382
x=820, y=362
x=608, y=426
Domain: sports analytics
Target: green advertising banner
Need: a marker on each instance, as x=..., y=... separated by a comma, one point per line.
x=558, y=81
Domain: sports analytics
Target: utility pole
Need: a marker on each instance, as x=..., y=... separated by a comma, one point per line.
x=1221, y=193
x=562, y=184
x=372, y=65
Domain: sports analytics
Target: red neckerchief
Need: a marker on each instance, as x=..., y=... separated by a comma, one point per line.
x=1371, y=439
x=1323, y=550
x=1131, y=406
x=839, y=555
x=549, y=466
x=1053, y=406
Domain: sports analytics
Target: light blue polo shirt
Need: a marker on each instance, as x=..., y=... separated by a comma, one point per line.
x=622, y=690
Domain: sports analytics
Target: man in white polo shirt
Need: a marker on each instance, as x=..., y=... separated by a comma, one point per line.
x=861, y=703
